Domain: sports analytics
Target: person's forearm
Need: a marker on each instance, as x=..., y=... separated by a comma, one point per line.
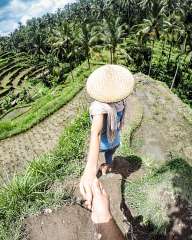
x=93, y=154
x=109, y=231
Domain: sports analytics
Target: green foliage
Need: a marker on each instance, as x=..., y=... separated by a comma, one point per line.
x=162, y=67
x=29, y=192
x=159, y=30
x=11, y=99
x=6, y=101
x=111, y=33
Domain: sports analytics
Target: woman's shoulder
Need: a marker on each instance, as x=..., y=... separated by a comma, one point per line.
x=96, y=108
x=119, y=106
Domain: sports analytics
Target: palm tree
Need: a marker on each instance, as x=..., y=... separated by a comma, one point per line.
x=99, y=8
x=63, y=44
x=37, y=38
x=172, y=31
x=87, y=37
x=178, y=60
x=130, y=7
x=176, y=30
x=186, y=20
x=156, y=10
x=150, y=29
x=112, y=33
x=172, y=5
x=60, y=40
x=3, y=44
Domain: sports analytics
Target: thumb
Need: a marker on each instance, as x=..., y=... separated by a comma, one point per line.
x=96, y=189
x=88, y=196
x=82, y=189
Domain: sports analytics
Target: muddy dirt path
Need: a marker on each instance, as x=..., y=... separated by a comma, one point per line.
x=16, y=151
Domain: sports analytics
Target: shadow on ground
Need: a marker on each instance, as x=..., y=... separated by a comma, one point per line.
x=180, y=214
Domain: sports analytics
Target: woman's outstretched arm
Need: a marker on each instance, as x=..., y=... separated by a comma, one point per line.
x=92, y=160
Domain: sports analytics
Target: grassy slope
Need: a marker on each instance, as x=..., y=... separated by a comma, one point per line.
x=151, y=195
x=29, y=192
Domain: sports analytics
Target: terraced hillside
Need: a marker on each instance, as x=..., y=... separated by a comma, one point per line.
x=15, y=152
x=21, y=85
x=28, y=99
x=14, y=69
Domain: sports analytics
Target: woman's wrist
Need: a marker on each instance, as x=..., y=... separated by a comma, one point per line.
x=98, y=219
x=91, y=168
x=90, y=171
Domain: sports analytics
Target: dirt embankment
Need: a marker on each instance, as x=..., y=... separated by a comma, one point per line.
x=166, y=128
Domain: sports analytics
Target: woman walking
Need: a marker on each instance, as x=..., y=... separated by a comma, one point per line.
x=109, y=86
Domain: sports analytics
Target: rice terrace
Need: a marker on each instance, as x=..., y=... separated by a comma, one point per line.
x=68, y=69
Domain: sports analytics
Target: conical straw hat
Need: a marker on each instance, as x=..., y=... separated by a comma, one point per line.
x=110, y=83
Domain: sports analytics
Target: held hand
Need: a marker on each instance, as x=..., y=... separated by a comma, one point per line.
x=100, y=205
x=85, y=187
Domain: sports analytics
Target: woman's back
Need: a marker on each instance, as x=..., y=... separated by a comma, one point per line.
x=105, y=143
x=118, y=112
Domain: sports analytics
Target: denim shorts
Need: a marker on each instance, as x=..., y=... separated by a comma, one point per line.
x=109, y=154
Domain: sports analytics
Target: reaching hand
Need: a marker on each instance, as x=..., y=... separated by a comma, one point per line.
x=100, y=205
x=85, y=188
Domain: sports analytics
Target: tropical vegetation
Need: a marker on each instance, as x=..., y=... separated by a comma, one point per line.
x=147, y=35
